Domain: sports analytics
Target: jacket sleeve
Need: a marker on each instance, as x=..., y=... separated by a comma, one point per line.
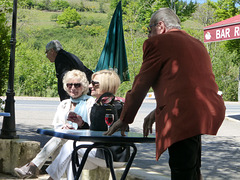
x=149, y=72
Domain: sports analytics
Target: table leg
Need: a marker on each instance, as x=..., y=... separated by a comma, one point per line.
x=109, y=159
x=84, y=158
x=129, y=163
x=75, y=162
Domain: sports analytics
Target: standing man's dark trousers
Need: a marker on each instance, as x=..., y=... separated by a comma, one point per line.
x=185, y=159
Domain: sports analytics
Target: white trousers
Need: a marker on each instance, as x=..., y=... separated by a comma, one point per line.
x=63, y=163
x=51, y=149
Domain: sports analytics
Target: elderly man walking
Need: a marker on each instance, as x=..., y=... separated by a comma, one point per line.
x=64, y=62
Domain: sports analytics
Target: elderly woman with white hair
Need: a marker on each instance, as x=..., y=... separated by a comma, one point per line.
x=71, y=113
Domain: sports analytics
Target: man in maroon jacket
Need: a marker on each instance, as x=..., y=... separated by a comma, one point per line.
x=178, y=68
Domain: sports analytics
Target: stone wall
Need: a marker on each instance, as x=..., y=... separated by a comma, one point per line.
x=16, y=152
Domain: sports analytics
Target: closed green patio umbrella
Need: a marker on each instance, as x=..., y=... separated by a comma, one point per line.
x=114, y=53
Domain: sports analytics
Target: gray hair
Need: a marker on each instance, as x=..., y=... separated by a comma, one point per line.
x=168, y=16
x=55, y=45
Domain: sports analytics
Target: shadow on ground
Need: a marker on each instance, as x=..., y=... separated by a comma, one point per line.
x=220, y=158
x=236, y=117
x=220, y=154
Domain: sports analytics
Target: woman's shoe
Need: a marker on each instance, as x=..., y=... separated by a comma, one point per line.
x=29, y=170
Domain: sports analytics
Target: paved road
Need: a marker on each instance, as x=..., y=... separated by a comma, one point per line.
x=220, y=156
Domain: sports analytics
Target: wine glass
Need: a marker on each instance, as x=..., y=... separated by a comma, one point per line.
x=109, y=118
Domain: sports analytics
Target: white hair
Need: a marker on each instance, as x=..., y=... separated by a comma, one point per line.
x=168, y=16
x=55, y=45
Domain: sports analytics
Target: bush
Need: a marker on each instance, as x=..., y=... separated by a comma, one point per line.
x=54, y=17
x=94, y=30
x=226, y=72
x=59, y=5
x=28, y=4
x=69, y=17
x=2, y=105
x=34, y=74
x=43, y=5
x=4, y=52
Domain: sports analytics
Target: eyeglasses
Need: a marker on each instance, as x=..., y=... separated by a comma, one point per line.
x=94, y=83
x=47, y=51
x=150, y=27
x=76, y=85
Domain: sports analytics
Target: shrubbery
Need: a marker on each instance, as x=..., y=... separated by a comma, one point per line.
x=60, y=5
x=4, y=45
x=35, y=75
x=70, y=18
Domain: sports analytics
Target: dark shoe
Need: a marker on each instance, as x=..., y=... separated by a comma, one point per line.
x=27, y=171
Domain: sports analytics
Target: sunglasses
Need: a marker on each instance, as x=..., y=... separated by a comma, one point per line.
x=94, y=83
x=76, y=85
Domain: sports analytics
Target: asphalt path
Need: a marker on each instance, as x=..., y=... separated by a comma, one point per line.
x=220, y=154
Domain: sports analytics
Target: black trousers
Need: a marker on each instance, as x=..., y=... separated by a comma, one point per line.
x=185, y=159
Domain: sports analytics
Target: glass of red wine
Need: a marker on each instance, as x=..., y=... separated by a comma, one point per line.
x=109, y=118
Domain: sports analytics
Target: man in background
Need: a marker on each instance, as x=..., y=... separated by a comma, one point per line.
x=178, y=68
x=64, y=62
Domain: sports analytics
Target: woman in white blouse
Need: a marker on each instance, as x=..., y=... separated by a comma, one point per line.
x=71, y=113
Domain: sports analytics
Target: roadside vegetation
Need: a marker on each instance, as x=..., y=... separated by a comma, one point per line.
x=81, y=26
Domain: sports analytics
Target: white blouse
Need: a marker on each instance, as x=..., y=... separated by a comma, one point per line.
x=63, y=108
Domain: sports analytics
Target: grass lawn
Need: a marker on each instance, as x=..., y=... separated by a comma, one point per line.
x=43, y=19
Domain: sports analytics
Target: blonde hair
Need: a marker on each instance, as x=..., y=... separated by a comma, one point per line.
x=109, y=80
x=76, y=74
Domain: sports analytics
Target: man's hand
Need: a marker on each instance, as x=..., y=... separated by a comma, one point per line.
x=148, y=123
x=119, y=124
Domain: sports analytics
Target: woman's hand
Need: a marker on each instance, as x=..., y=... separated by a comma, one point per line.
x=72, y=116
x=67, y=126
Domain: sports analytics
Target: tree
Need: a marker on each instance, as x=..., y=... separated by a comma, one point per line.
x=70, y=17
x=182, y=8
x=5, y=7
x=204, y=14
x=185, y=10
x=224, y=9
x=226, y=73
x=134, y=39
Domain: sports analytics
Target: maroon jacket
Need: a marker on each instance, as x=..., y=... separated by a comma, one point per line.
x=178, y=68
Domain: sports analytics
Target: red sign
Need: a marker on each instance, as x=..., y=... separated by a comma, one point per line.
x=223, y=30
x=222, y=33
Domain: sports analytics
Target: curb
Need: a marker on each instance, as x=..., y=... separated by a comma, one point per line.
x=231, y=119
x=33, y=98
